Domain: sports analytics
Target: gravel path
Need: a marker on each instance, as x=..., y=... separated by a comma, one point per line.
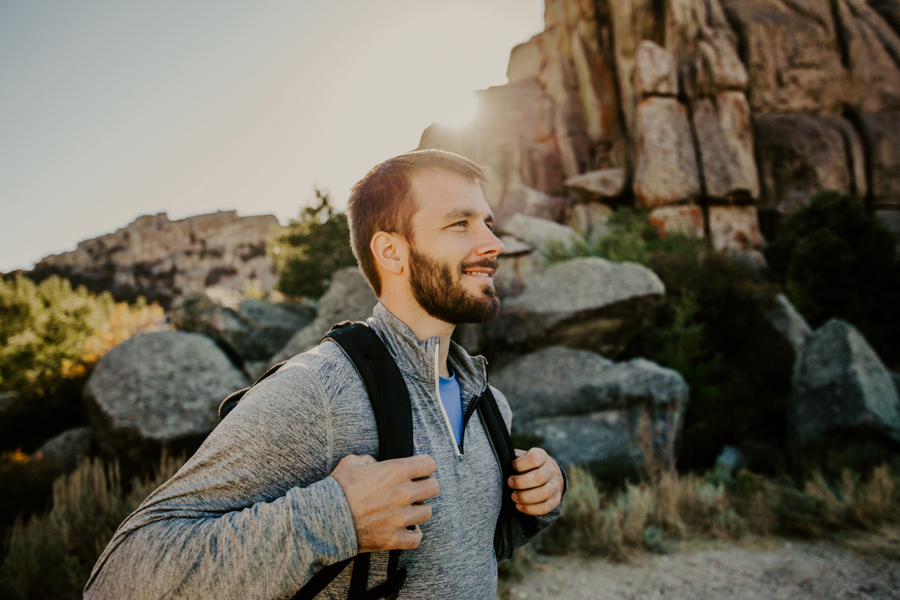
x=805, y=570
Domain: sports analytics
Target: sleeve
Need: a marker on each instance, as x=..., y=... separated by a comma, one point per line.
x=253, y=514
x=509, y=536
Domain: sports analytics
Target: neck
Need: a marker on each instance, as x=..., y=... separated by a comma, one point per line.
x=423, y=325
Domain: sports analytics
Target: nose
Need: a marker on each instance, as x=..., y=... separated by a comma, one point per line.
x=491, y=244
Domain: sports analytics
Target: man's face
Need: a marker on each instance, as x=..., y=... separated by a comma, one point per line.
x=453, y=251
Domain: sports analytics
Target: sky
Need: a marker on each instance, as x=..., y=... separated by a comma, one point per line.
x=111, y=110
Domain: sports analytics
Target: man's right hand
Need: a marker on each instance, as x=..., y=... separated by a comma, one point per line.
x=387, y=499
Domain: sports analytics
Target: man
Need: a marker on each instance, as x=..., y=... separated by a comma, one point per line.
x=289, y=482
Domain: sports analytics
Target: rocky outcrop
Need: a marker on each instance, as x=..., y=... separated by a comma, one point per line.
x=349, y=298
x=699, y=103
x=158, y=390
x=600, y=185
x=586, y=408
x=526, y=201
x=587, y=303
x=789, y=324
x=841, y=387
x=163, y=260
x=250, y=330
x=537, y=232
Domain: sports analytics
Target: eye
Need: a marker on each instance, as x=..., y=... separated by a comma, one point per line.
x=460, y=224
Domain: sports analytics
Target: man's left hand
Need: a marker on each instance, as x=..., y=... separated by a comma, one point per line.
x=539, y=484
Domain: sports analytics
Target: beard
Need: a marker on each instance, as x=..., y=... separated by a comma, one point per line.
x=436, y=292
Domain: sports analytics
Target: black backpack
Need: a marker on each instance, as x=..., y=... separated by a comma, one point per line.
x=393, y=417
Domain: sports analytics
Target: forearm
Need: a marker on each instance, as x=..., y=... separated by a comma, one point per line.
x=269, y=550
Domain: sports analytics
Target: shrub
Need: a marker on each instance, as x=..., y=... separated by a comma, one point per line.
x=836, y=259
x=51, y=556
x=50, y=338
x=43, y=329
x=636, y=518
x=311, y=248
x=710, y=329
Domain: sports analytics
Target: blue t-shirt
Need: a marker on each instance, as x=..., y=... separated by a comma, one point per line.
x=452, y=401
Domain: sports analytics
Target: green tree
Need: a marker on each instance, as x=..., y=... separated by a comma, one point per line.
x=311, y=248
x=836, y=259
x=43, y=329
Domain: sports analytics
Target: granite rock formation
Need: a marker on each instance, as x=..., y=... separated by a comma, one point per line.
x=585, y=406
x=250, y=330
x=841, y=388
x=163, y=260
x=158, y=390
x=711, y=109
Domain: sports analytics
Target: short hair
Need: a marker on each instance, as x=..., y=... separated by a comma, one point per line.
x=383, y=201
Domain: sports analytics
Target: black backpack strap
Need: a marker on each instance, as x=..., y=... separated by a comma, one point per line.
x=502, y=445
x=391, y=405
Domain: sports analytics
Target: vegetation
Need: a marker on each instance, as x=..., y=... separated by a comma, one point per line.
x=311, y=248
x=50, y=332
x=646, y=517
x=710, y=329
x=51, y=555
x=50, y=337
x=836, y=259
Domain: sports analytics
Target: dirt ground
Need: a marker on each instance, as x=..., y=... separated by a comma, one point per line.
x=776, y=571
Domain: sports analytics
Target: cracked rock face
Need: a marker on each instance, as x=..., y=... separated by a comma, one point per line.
x=700, y=103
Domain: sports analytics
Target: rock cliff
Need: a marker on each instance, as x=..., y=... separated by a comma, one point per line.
x=715, y=112
x=163, y=260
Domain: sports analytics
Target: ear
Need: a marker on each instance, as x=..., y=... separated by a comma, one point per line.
x=386, y=249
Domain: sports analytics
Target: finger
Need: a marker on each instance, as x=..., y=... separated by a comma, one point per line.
x=417, y=514
x=424, y=489
x=541, y=508
x=532, y=459
x=531, y=479
x=536, y=495
x=406, y=539
x=414, y=467
x=520, y=453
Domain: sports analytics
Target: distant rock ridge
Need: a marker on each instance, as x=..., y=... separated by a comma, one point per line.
x=164, y=260
x=717, y=112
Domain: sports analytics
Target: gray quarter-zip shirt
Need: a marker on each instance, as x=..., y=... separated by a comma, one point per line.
x=254, y=513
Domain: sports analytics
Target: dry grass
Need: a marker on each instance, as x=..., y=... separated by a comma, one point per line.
x=624, y=523
x=51, y=555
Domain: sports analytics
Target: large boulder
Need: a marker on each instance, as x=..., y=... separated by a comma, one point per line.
x=601, y=184
x=586, y=303
x=63, y=451
x=524, y=200
x=882, y=134
x=158, y=390
x=725, y=139
x=654, y=71
x=798, y=155
x=586, y=407
x=841, y=387
x=667, y=170
x=520, y=266
x=537, y=232
x=252, y=330
x=349, y=298
x=788, y=324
